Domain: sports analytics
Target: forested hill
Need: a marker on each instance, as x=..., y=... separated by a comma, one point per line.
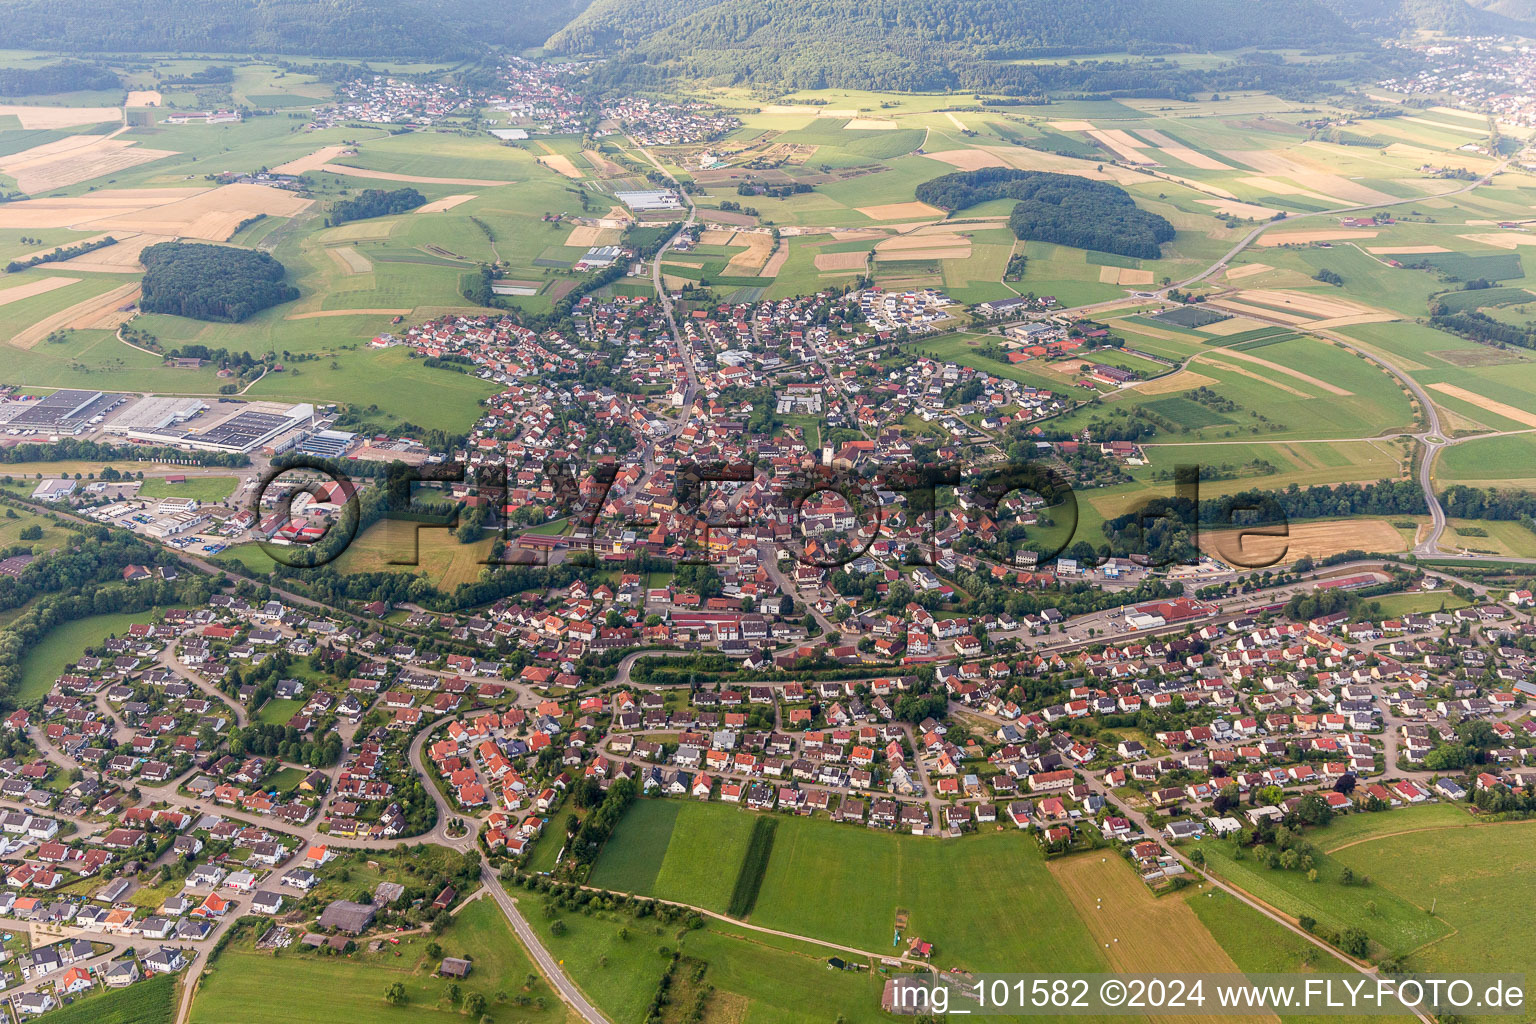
x=969, y=44
x=926, y=43
x=1456, y=17
x=322, y=28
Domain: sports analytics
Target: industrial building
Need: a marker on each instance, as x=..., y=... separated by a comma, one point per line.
x=151, y=414
x=247, y=427
x=328, y=444
x=69, y=411
x=650, y=200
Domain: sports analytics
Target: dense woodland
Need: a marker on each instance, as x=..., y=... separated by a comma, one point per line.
x=211, y=282
x=1061, y=208
x=374, y=202
x=322, y=28
x=63, y=76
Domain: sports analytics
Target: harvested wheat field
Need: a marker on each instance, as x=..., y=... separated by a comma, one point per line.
x=60, y=117
x=350, y=260
x=1233, y=306
x=79, y=316
x=716, y=236
x=143, y=98
x=1274, y=186
x=837, y=113
x=840, y=261
x=445, y=203
x=213, y=215
x=320, y=314
x=1123, y=275
x=583, y=235
x=1136, y=931
x=75, y=159
x=1509, y=412
x=1070, y=126
x=122, y=258
x=1308, y=176
x=1351, y=321
x=358, y=231
x=1318, y=306
x=969, y=159
x=901, y=211
x=1123, y=145
x=1308, y=237
x=1247, y=270
x=751, y=260
x=108, y=317
x=869, y=124
x=1184, y=380
x=942, y=239
x=955, y=121
x=314, y=161
x=37, y=287
x=1403, y=250
x=560, y=164
x=1231, y=325
x=1502, y=239
x=859, y=235
x=82, y=211
x=605, y=167
x=777, y=261
x=362, y=172
x=959, y=252
x=1233, y=208
x=1180, y=152
x=1251, y=549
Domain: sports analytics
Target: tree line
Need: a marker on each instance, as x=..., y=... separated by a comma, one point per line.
x=61, y=253
x=374, y=202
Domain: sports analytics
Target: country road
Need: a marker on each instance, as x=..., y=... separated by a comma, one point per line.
x=546, y=961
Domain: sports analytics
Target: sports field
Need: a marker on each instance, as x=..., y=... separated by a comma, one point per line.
x=199, y=488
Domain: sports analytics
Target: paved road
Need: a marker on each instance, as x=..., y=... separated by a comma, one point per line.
x=541, y=956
